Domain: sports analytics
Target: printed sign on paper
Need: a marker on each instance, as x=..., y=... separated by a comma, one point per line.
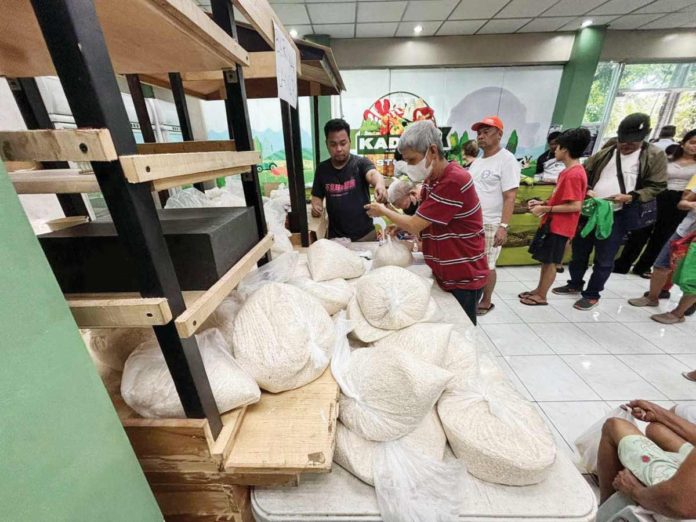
x=286, y=67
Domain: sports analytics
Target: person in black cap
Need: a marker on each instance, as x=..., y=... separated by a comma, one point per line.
x=643, y=168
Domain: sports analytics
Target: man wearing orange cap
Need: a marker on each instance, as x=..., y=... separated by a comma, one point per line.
x=496, y=178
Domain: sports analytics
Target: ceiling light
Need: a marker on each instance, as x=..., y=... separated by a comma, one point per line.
x=586, y=23
x=293, y=33
x=418, y=29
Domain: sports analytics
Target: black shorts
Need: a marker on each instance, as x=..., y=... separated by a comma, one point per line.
x=552, y=249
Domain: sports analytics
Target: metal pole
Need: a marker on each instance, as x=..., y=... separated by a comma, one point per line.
x=31, y=105
x=238, y=123
x=295, y=168
x=76, y=44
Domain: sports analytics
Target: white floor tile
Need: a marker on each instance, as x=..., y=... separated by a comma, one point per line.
x=664, y=373
x=516, y=339
x=549, y=378
x=566, y=338
x=503, y=275
x=510, y=289
x=617, y=338
x=597, y=315
x=689, y=326
x=517, y=383
x=535, y=314
x=572, y=419
x=561, y=444
x=689, y=360
x=484, y=343
x=623, y=312
x=611, y=378
x=627, y=288
x=668, y=338
x=524, y=273
x=501, y=314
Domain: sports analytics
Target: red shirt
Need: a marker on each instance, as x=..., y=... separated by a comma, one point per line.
x=454, y=243
x=571, y=186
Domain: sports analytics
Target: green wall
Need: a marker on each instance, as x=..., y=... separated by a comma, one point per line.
x=63, y=453
x=578, y=74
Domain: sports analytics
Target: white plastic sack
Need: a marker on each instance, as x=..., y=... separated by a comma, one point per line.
x=386, y=393
x=588, y=443
x=392, y=253
x=112, y=346
x=148, y=388
x=275, y=221
x=333, y=295
x=283, y=337
x=392, y=298
x=218, y=197
x=187, y=198
x=461, y=357
x=223, y=317
x=328, y=260
x=428, y=342
x=500, y=436
x=277, y=271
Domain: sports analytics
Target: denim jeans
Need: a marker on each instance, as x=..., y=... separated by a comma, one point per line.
x=604, y=253
x=468, y=299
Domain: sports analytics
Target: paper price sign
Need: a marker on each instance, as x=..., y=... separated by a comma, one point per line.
x=286, y=67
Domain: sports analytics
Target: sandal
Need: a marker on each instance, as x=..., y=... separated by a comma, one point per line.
x=688, y=377
x=522, y=295
x=529, y=301
x=483, y=310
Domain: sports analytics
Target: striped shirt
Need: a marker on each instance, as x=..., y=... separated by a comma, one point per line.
x=454, y=243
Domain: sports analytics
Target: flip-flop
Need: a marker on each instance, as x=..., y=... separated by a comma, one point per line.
x=483, y=311
x=531, y=302
x=686, y=376
x=522, y=295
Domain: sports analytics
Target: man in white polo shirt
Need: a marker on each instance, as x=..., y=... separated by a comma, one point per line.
x=496, y=178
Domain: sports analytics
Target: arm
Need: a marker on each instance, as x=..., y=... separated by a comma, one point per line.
x=375, y=179
x=317, y=206
x=411, y=224
x=568, y=206
x=650, y=412
x=318, y=194
x=656, y=179
x=688, y=201
x=508, y=209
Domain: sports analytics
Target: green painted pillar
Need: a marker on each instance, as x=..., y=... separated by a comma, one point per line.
x=324, y=101
x=64, y=455
x=578, y=74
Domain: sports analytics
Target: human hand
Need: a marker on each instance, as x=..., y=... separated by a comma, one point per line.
x=533, y=203
x=622, y=198
x=381, y=193
x=645, y=411
x=538, y=210
x=500, y=237
x=375, y=209
x=591, y=194
x=626, y=483
x=317, y=209
x=391, y=230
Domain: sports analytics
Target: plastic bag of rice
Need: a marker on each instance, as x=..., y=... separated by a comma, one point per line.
x=386, y=393
x=328, y=260
x=392, y=253
x=333, y=295
x=112, y=346
x=148, y=388
x=426, y=341
x=392, y=298
x=223, y=317
x=277, y=271
x=283, y=337
x=356, y=454
x=500, y=436
x=461, y=358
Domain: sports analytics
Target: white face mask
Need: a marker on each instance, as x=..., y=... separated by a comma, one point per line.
x=418, y=172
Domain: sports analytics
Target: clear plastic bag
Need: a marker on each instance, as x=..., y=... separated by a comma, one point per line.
x=275, y=221
x=279, y=270
x=394, y=253
x=188, y=198
x=588, y=443
x=333, y=295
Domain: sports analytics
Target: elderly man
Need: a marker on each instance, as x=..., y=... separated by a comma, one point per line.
x=497, y=178
x=404, y=194
x=344, y=181
x=643, y=171
x=449, y=217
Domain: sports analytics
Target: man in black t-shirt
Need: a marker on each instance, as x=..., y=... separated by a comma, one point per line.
x=344, y=181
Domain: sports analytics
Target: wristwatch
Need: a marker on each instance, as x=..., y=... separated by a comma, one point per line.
x=504, y=225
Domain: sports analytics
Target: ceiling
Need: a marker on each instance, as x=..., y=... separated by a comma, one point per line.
x=387, y=18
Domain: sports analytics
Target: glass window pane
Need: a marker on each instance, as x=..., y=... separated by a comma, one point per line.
x=691, y=77
x=685, y=113
x=627, y=103
x=647, y=76
x=598, y=93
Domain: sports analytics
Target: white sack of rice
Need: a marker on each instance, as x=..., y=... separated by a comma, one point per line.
x=279, y=270
x=283, y=337
x=356, y=454
x=500, y=436
x=223, y=317
x=112, y=346
x=148, y=388
x=429, y=342
x=333, y=295
x=392, y=253
x=461, y=357
x=328, y=260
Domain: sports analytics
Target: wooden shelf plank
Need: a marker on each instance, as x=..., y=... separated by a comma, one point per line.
x=177, y=35
x=118, y=310
x=141, y=168
x=187, y=146
x=289, y=432
x=57, y=145
x=66, y=222
x=57, y=181
x=195, y=315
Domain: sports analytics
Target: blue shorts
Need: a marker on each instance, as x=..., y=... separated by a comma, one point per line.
x=663, y=258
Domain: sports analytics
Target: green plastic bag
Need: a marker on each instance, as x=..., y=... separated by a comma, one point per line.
x=685, y=276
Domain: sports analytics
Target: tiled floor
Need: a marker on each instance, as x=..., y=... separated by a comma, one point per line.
x=576, y=366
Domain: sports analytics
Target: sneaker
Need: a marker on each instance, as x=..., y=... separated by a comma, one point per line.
x=643, y=301
x=565, y=290
x=585, y=304
x=690, y=311
x=667, y=318
x=664, y=294
x=560, y=269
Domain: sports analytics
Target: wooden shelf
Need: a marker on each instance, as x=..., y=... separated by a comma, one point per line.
x=57, y=181
x=57, y=145
x=187, y=146
x=143, y=36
